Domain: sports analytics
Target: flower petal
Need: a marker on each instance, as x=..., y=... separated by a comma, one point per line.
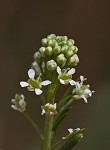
x=43, y=112
x=70, y=130
x=14, y=107
x=71, y=71
x=85, y=99
x=58, y=70
x=54, y=106
x=82, y=78
x=62, y=81
x=23, y=84
x=72, y=82
x=46, y=82
x=31, y=73
x=38, y=91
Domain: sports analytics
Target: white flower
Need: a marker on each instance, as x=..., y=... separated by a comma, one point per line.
x=19, y=103
x=34, y=85
x=65, y=76
x=82, y=91
x=50, y=108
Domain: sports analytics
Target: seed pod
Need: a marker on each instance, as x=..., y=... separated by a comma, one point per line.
x=49, y=51
x=61, y=59
x=51, y=65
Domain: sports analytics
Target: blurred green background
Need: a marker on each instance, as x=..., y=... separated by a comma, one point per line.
x=23, y=23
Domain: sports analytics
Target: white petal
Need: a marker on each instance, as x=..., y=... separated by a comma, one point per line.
x=64, y=138
x=23, y=84
x=58, y=70
x=14, y=107
x=13, y=101
x=85, y=99
x=78, y=85
x=62, y=81
x=43, y=112
x=46, y=82
x=31, y=73
x=38, y=91
x=70, y=130
x=21, y=102
x=87, y=92
x=54, y=106
x=22, y=96
x=72, y=82
x=71, y=71
x=82, y=78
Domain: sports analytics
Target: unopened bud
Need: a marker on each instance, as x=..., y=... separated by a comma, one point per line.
x=61, y=59
x=57, y=50
x=64, y=38
x=44, y=42
x=51, y=65
x=69, y=43
x=69, y=53
x=37, y=57
x=73, y=60
x=64, y=49
x=49, y=51
x=51, y=36
x=72, y=41
x=59, y=38
x=42, y=51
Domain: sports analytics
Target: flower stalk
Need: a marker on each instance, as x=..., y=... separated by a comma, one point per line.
x=54, y=64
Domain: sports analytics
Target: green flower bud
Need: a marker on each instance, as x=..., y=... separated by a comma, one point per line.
x=51, y=36
x=64, y=38
x=74, y=49
x=61, y=59
x=59, y=38
x=51, y=65
x=72, y=41
x=69, y=53
x=44, y=42
x=37, y=57
x=64, y=49
x=49, y=51
x=42, y=51
x=73, y=60
x=50, y=43
x=57, y=50
x=63, y=43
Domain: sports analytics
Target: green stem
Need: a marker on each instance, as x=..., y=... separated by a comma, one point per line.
x=33, y=124
x=48, y=131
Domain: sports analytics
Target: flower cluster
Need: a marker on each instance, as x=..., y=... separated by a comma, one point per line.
x=53, y=65
x=60, y=50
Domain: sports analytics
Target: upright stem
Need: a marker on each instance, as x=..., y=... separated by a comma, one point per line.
x=48, y=131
